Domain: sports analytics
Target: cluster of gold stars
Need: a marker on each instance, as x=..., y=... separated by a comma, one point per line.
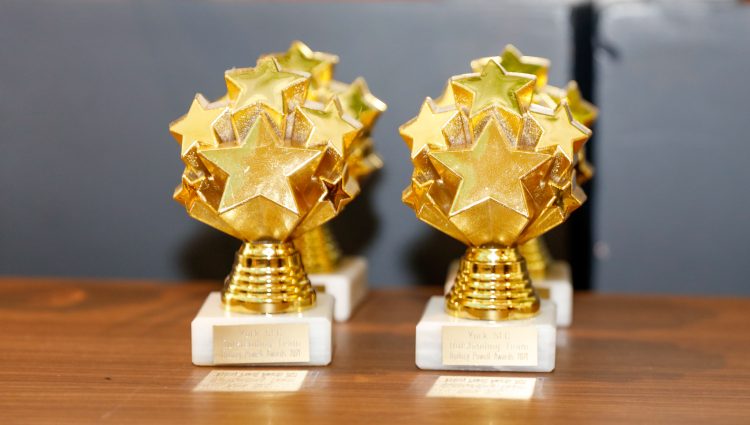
x=495, y=156
x=282, y=152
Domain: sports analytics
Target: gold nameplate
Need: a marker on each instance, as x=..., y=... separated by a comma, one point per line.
x=490, y=346
x=483, y=387
x=259, y=344
x=253, y=381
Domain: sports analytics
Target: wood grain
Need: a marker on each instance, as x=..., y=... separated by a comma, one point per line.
x=119, y=352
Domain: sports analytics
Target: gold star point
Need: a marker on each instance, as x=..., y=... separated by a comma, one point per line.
x=299, y=57
x=490, y=170
x=494, y=86
x=360, y=103
x=427, y=128
x=330, y=127
x=266, y=83
x=514, y=61
x=446, y=99
x=560, y=131
x=195, y=129
x=582, y=110
x=260, y=167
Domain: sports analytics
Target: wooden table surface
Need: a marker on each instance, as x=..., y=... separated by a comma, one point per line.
x=119, y=352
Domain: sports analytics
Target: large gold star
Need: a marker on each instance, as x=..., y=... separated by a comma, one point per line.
x=493, y=87
x=260, y=167
x=428, y=128
x=267, y=84
x=490, y=170
x=329, y=127
x=560, y=131
x=196, y=127
x=357, y=101
x=300, y=57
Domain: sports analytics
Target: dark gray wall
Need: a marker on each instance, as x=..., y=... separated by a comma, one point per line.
x=87, y=89
x=671, y=211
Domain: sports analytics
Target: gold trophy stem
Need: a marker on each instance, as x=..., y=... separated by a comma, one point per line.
x=492, y=284
x=538, y=258
x=267, y=277
x=320, y=252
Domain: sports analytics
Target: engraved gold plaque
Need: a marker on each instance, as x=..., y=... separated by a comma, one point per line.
x=490, y=346
x=259, y=344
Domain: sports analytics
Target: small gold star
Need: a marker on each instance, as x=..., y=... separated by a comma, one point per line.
x=300, y=57
x=428, y=128
x=514, y=61
x=335, y=193
x=560, y=131
x=329, y=127
x=583, y=111
x=266, y=84
x=195, y=129
x=358, y=102
x=493, y=87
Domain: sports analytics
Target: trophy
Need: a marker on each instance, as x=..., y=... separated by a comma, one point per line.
x=343, y=278
x=552, y=279
x=265, y=163
x=494, y=169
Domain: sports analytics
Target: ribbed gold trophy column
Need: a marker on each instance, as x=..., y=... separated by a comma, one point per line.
x=492, y=284
x=319, y=250
x=267, y=277
x=537, y=257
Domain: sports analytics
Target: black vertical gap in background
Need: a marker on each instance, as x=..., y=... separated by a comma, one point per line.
x=584, y=21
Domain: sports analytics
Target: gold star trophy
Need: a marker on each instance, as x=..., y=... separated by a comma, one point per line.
x=344, y=278
x=266, y=163
x=552, y=279
x=493, y=168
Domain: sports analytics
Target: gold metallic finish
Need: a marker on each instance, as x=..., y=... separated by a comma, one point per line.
x=279, y=155
x=267, y=277
x=492, y=284
x=494, y=167
x=358, y=107
x=583, y=112
x=537, y=257
x=320, y=252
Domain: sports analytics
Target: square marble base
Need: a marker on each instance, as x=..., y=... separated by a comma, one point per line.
x=445, y=342
x=557, y=286
x=221, y=337
x=347, y=285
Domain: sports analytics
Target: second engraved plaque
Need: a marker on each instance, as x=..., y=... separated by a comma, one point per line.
x=263, y=343
x=474, y=345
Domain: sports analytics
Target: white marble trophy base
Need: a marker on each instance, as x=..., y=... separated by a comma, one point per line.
x=445, y=342
x=289, y=339
x=557, y=286
x=347, y=285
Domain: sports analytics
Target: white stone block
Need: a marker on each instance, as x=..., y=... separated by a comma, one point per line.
x=445, y=342
x=347, y=285
x=302, y=338
x=557, y=287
